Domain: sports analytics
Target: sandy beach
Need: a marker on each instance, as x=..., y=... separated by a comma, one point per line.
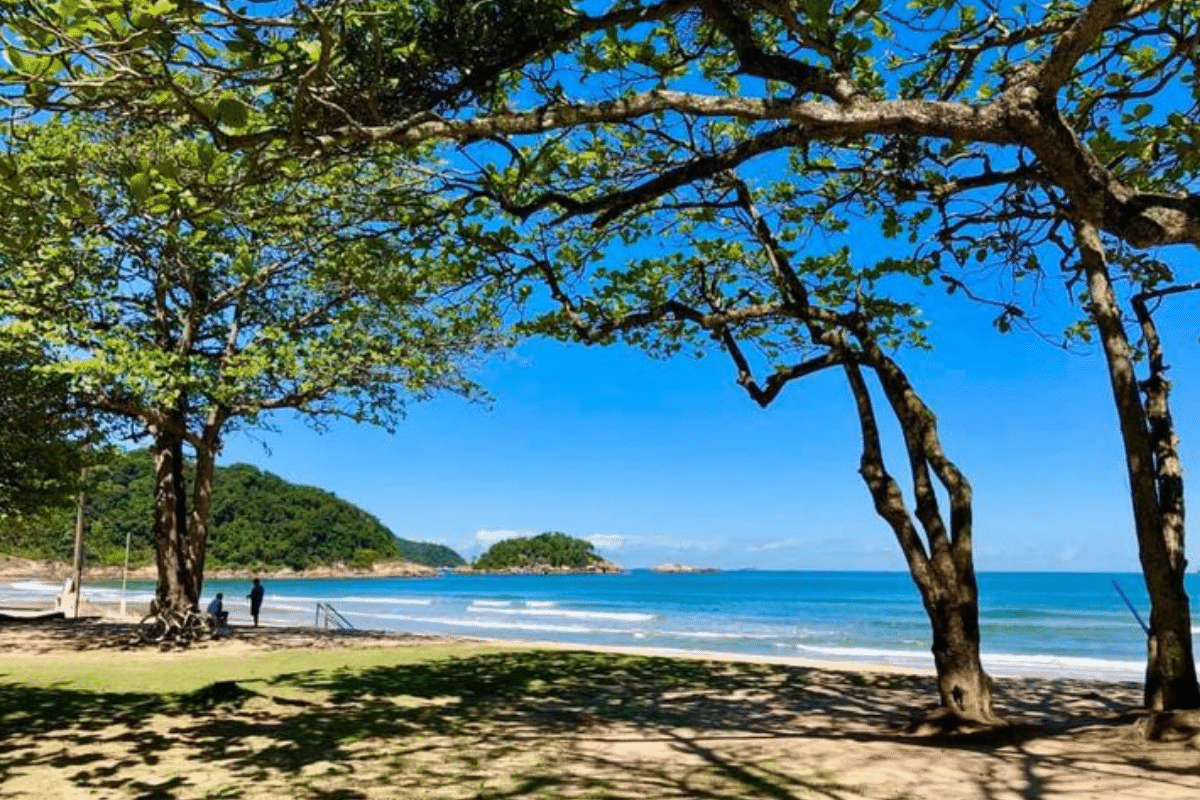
x=493, y=721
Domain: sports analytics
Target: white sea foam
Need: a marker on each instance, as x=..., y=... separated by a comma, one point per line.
x=105, y=595
x=374, y=599
x=1081, y=666
x=997, y=663
x=563, y=612
x=396, y=601
x=719, y=635
x=491, y=603
x=867, y=654
x=278, y=606
x=492, y=624
x=299, y=598
x=40, y=587
x=540, y=603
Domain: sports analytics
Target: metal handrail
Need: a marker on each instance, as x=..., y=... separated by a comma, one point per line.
x=331, y=618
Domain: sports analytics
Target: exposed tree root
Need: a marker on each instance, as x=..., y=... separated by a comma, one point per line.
x=1169, y=726
x=948, y=722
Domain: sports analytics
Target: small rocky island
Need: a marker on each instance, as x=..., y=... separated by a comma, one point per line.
x=551, y=553
x=680, y=568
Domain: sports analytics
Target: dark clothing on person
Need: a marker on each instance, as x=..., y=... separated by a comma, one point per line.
x=217, y=609
x=256, y=598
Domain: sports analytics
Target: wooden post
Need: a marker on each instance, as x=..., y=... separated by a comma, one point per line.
x=125, y=572
x=80, y=522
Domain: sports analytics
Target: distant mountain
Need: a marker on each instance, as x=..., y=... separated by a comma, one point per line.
x=258, y=520
x=548, y=552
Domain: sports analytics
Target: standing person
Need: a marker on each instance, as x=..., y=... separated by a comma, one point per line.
x=256, y=597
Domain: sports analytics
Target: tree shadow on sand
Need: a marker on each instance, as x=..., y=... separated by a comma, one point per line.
x=540, y=724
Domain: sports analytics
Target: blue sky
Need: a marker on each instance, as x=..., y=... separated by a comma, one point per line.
x=670, y=461
x=658, y=461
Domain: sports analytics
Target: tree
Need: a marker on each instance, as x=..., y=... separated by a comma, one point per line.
x=41, y=433
x=722, y=279
x=1052, y=139
x=193, y=291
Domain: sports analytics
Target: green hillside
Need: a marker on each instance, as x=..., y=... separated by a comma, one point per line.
x=258, y=520
x=553, y=550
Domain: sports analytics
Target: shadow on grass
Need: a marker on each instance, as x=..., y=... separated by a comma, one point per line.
x=88, y=634
x=537, y=724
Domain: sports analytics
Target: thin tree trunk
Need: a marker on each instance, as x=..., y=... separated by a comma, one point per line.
x=1155, y=481
x=202, y=482
x=945, y=577
x=1173, y=602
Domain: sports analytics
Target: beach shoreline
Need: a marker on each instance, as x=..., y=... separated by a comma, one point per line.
x=554, y=611
x=107, y=615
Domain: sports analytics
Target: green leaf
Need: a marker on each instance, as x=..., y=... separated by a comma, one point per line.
x=159, y=204
x=312, y=49
x=15, y=58
x=206, y=153
x=232, y=112
x=243, y=264
x=139, y=186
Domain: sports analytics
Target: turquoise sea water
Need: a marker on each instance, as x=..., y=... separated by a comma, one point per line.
x=1067, y=624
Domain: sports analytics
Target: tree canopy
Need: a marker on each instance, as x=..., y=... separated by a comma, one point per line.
x=41, y=433
x=162, y=267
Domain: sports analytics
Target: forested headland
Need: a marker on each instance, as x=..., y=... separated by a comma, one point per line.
x=259, y=521
x=552, y=551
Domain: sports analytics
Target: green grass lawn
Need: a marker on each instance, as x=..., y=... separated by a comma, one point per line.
x=183, y=672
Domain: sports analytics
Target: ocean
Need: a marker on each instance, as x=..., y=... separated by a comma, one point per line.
x=1065, y=624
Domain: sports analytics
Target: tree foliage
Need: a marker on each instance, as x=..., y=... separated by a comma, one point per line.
x=399, y=59
x=165, y=268
x=41, y=432
x=259, y=521
x=552, y=549
x=192, y=292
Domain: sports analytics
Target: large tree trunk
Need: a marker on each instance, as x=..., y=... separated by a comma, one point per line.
x=178, y=588
x=180, y=531
x=945, y=576
x=202, y=483
x=953, y=609
x=1155, y=483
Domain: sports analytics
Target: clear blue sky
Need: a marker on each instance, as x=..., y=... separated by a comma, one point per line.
x=659, y=461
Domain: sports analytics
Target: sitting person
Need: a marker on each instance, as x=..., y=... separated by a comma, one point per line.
x=217, y=609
